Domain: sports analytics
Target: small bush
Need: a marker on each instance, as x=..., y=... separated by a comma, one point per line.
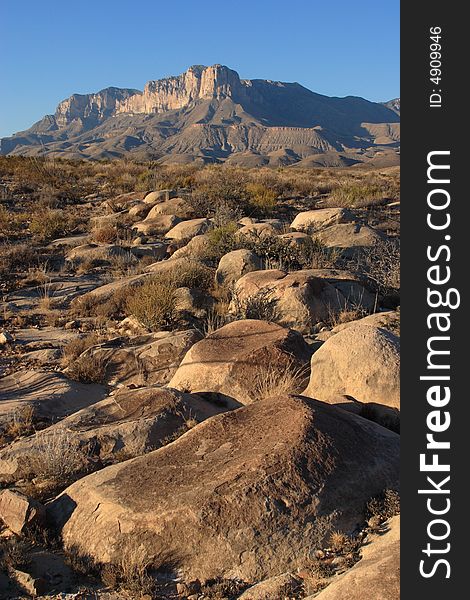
x=48, y=224
x=21, y=423
x=154, y=303
x=223, y=239
x=57, y=456
x=88, y=368
x=279, y=380
x=105, y=234
x=74, y=348
x=385, y=506
x=381, y=265
x=261, y=198
x=258, y=306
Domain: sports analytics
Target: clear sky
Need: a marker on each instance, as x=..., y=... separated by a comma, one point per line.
x=51, y=49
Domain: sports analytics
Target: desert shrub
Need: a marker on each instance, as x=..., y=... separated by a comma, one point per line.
x=279, y=380
x=258, y=306
x=380, y=264
x=57, y=456
x=104, y=234
x=14, y=553
x=191, y=274
x=50, y=223
x=88, y=368
x=74, y=348
x=223, y=239
x=384, y=506
x=154, y=303
x=12, y=223
x=262, y=199
x=14, y=257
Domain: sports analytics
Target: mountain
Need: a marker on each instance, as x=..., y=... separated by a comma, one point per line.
x=210, y=114
x=393, y=105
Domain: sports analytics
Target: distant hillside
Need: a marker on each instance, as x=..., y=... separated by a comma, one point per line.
x=209, y=114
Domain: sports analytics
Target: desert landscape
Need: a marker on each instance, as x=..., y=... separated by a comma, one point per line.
x=200, y=345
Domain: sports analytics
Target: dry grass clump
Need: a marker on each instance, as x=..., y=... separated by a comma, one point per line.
x=21, y=423
x=104, y=234
x=384, y=506
x=279, y=380
x=131, y=572
x=154, y=303
x=57, y=457
x=51, y=223
x=261, y=198
x=257, y=306
x=88, y=368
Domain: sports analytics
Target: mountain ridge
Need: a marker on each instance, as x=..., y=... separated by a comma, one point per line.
x=211, y=114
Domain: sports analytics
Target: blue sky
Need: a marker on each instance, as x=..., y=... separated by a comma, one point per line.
x=51, y=49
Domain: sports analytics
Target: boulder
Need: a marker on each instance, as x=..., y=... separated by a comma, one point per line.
x=296, y=238
x=96, y=252
x=144, y=360
x=126, y=424
x=274, y=588
x=389, y=320
x=49, y=395
x=175, y=206
x=188, y=229
x=5, y=338
x=160, y=196
x=378, y=571
x=157, y=225
x=140, y=210
x=349, y=238
x=360, y=361
x=235, y=264
x=19, y=512
x=257, y=230
x=230, y=360
x=238, y=496
x=301, y=298
x=198, y=247
x=315, y=220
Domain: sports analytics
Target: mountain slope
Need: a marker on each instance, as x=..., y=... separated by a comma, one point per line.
x=210, y=114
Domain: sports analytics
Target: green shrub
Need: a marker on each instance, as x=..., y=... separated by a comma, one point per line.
x=50, y=223
x=261, y=198
x=154, y=303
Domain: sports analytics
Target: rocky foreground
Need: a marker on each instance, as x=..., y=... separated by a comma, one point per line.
x=220, y=419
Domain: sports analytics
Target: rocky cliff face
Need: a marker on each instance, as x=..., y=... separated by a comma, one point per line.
x=92, y=107
x=173, y=93
x=210, y=114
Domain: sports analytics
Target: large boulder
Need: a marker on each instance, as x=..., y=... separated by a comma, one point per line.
x=127, y=423
x=188, y=229
x=198, y=247
x=19, y=512
x=315, y=220
x=175, y=206
x=157, y=225
x=232, y=359
x=378, y=571
x=235, y=264
x=274, y=588
x=349, y=238
x=48, y=395
x=238, y=496
x=301, y=298
x=160, y=196
x=362, y=362
x=144, y=360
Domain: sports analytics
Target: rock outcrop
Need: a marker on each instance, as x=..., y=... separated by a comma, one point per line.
x=238, y=496
x=360, y=361
x=231, y=360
